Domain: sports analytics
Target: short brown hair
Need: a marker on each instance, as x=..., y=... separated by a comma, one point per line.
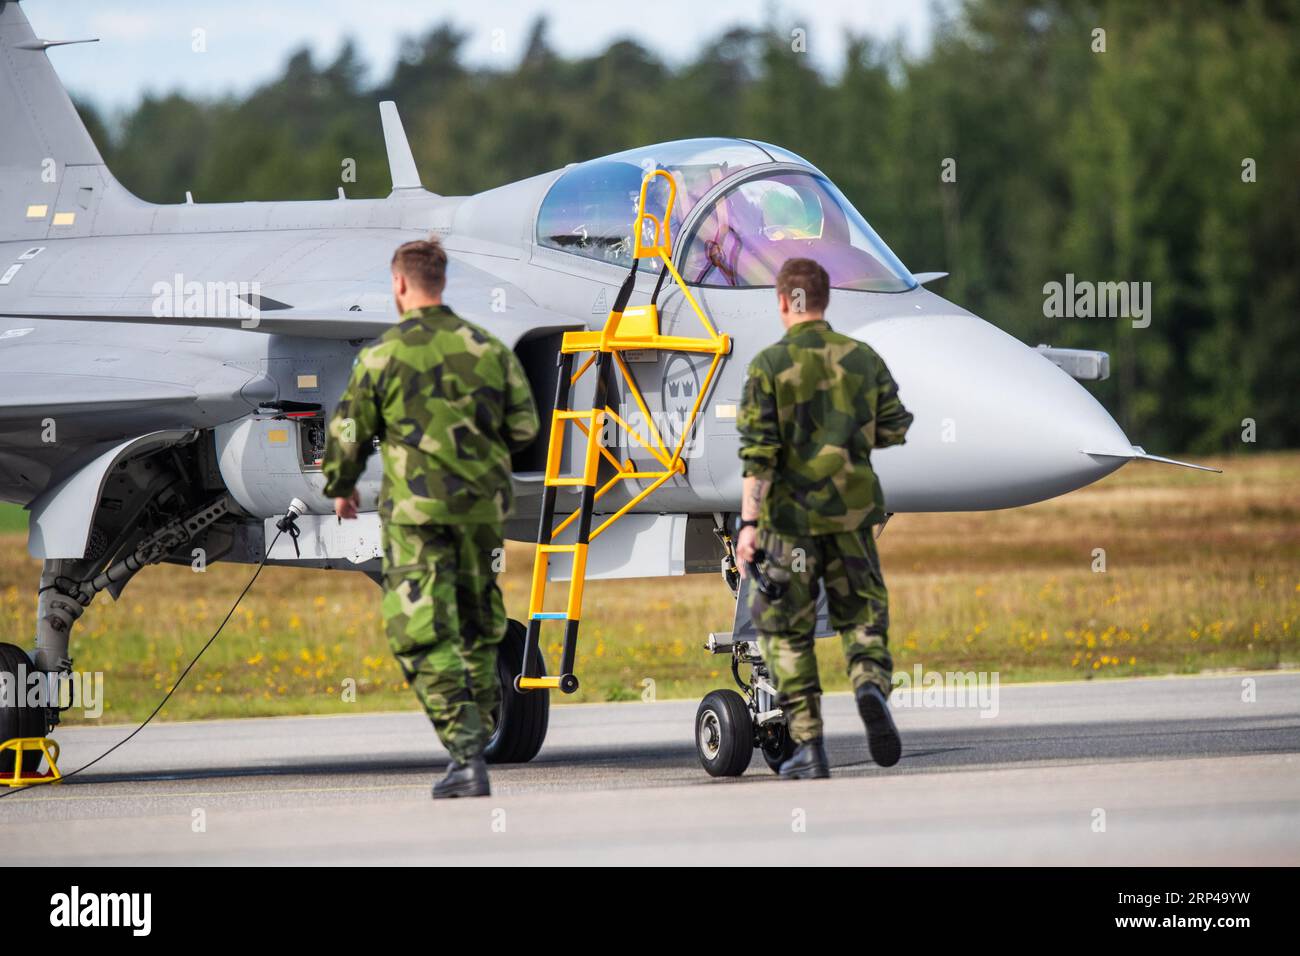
x=424, y=263
x=805, y=283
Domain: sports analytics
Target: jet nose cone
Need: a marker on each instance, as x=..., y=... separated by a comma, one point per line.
x=996, y=424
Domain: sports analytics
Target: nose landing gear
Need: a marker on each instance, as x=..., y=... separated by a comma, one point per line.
x=730, y=726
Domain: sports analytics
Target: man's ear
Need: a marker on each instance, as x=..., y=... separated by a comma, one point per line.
x=783, y=303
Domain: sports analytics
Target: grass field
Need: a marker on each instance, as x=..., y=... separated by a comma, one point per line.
x=1202, y=572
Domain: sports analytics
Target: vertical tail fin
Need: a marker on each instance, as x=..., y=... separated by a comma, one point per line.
x=42, y=138
x=401, y=164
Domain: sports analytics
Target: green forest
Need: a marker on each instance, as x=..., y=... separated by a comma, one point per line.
x=1116, y=142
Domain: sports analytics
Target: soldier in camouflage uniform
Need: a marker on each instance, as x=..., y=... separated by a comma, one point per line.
x=815, y=404
x=448, y=404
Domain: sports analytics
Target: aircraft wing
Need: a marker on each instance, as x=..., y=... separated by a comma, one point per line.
x=31, y=395
x=296, y=322
x=477, y=296
x=99, y=389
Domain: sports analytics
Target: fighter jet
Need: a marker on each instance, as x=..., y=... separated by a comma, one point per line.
x=166, y=371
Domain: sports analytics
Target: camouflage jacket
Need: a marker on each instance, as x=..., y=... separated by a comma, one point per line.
x=448, y=404
x=814, y=406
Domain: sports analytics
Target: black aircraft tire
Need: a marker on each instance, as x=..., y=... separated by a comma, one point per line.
x=18, y=721
x=724, y=734
x=523, y=718
x=777, y=747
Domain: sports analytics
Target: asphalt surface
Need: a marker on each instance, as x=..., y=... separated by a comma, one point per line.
x=1173, y=771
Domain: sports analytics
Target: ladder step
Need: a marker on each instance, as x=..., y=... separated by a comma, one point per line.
x=553, y=548
x=539, y=683
x=550, y=616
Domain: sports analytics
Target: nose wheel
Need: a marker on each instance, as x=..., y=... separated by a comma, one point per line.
x=724, y=734
x=776, y=745
x=730, y=726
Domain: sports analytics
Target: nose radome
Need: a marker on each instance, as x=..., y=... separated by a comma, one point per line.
x=996, y=424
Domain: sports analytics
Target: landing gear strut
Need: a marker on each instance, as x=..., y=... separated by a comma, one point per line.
x=68, y=586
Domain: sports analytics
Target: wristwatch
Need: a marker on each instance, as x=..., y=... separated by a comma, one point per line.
x=748, y=523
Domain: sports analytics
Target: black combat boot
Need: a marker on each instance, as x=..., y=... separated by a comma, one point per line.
x=468, y=779
x=882, y=735
x=808, y=762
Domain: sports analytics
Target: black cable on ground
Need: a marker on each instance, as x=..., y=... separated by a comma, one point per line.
x=188, y=667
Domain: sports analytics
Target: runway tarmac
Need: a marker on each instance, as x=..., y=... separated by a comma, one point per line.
x=1171, y=771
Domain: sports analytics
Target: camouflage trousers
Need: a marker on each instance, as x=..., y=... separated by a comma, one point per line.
x=445, y=620
x=849, y=567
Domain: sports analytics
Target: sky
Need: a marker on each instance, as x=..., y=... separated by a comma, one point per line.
x=148, y=45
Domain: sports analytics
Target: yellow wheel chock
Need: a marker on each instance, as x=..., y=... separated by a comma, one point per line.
x=626, y=329
x=47, y=746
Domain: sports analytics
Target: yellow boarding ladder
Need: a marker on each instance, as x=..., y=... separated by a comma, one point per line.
x=625, y=329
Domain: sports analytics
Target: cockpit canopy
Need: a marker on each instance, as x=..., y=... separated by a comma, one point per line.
x=763, y=218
